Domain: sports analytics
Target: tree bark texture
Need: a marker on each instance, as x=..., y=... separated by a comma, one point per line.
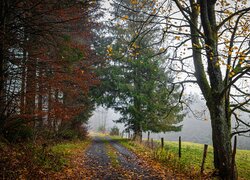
x=23, y=86
x=221, y=135
x=2, y=52
x=211, y=90
x=31, y=88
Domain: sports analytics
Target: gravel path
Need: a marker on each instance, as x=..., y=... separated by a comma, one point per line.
x=106, y=159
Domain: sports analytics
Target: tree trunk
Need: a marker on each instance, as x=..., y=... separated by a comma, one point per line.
x=40, y=97
x=220, y=119
x=137, y=132
x=31, y=89
x=221, y=135
x=49, y=107
x=2, y=72
x=55, y=120
x=24, y=75
x=23, y=83
x=137, y=135
x=2, y=93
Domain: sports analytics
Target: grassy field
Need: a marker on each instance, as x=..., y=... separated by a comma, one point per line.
x=192, y=156
x=191, y=159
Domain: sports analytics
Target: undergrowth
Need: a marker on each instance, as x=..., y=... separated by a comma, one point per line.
x=29, y=160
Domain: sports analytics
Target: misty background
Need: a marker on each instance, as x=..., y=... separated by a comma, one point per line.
x=196, y=125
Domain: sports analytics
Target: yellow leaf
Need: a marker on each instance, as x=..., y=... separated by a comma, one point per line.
x=134, y=2
x=124, y=18
x=177, y=37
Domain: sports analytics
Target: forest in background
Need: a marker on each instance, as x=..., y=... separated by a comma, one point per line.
x=47, y=68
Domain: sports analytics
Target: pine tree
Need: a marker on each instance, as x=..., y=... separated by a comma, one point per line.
x=134, y=82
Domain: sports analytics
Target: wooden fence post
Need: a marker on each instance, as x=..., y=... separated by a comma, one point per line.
x=179, y=146
x=152, y=143
x=162, y=143
x=204, y=157
x=233, y=158
x=148, y=136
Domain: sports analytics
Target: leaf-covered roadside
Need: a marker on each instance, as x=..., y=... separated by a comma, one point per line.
x=28, y=161
x=156, y=161
x=190, y=161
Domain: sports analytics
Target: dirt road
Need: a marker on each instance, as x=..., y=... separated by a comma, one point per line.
x=107, y=159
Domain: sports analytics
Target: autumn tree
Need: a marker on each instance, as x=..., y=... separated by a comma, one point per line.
x=135, y=83
x=209, y=41
x=46, y=61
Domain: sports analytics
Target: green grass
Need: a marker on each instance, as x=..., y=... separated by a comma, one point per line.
x=69, y=148
x=191, y=159
x=192, y=154
x=58, y=156
x=112, y=155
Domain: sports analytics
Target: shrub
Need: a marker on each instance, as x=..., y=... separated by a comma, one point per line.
x=102, y=129
x=72, y=132
x=18, y=131
x=67, y=134
x=114, y=131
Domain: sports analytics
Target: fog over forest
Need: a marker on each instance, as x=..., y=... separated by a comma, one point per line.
x=196, y=125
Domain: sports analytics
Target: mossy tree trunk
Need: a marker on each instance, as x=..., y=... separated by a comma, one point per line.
x=221, y=135
x=212, y=89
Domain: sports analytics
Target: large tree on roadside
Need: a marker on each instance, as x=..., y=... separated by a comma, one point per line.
x=135, y=83
x=212, y=35
x=208, y=31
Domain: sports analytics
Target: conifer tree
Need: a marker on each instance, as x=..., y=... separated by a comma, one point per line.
x=134, y=82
